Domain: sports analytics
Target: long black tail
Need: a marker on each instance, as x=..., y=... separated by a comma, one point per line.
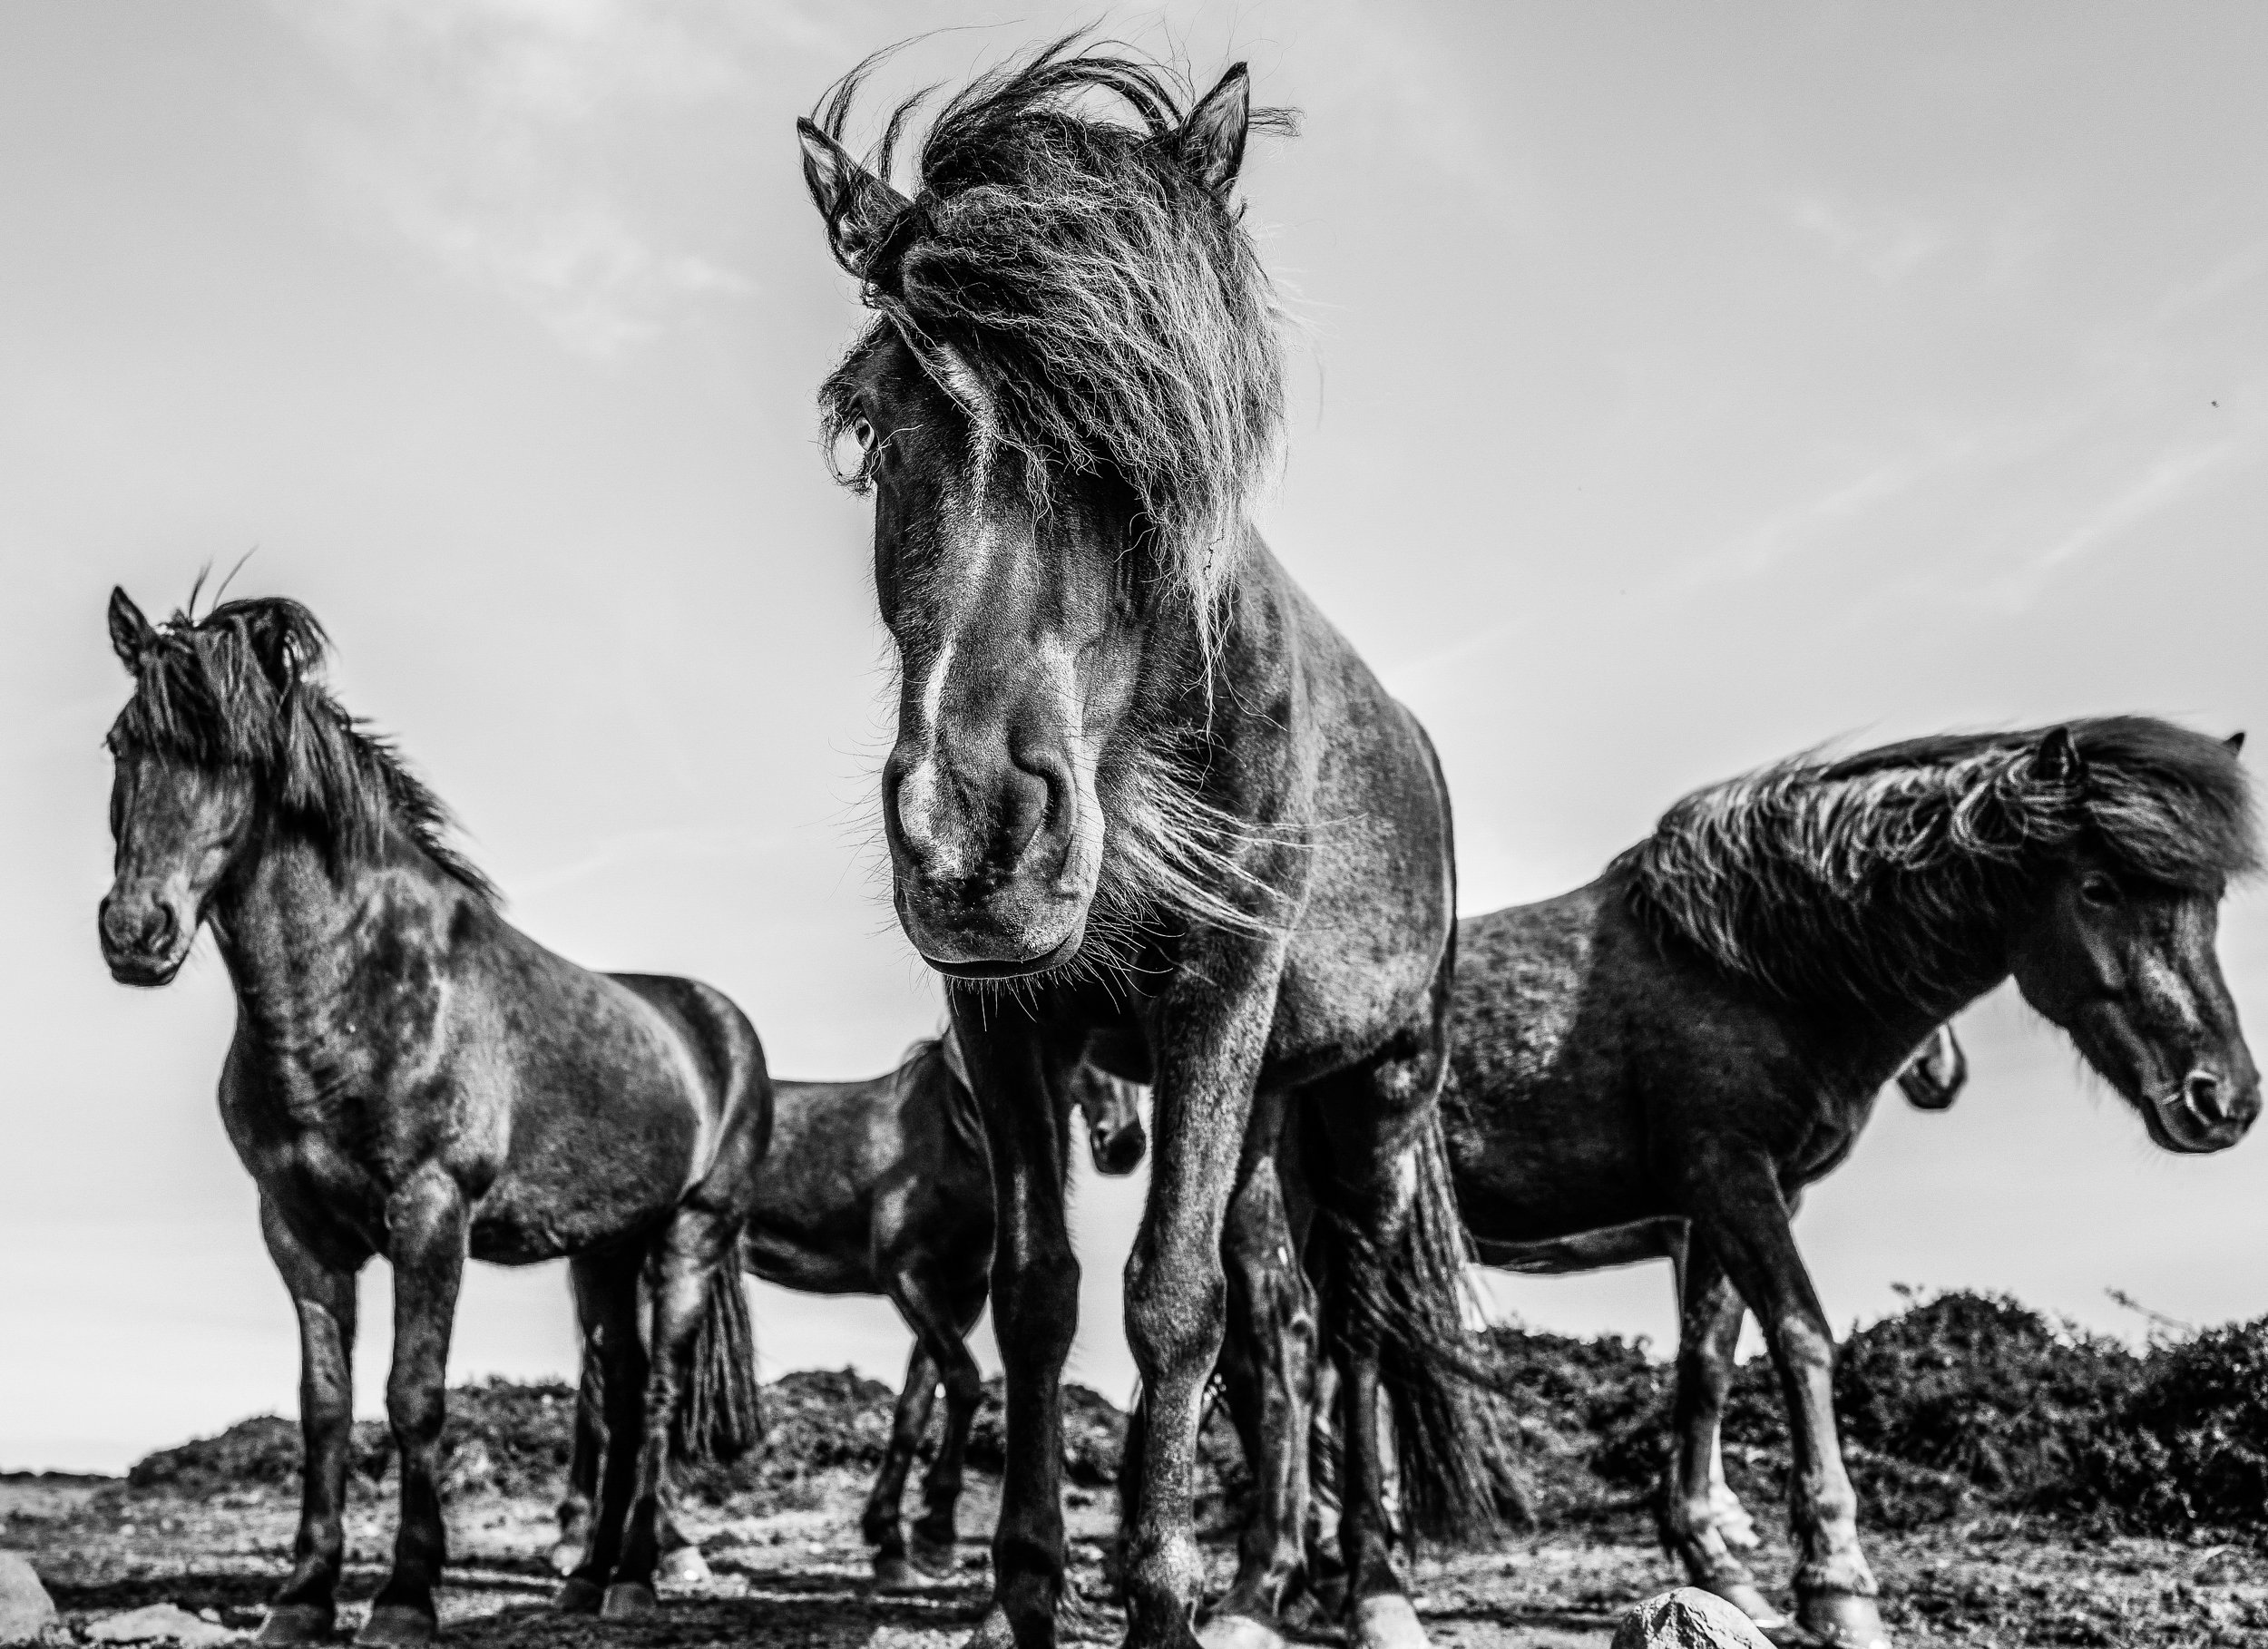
x=718, y=1417
x=1434, y=1371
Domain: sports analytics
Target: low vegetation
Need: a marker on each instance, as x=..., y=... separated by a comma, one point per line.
x=1958, y=1405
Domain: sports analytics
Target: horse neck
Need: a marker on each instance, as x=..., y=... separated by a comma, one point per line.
x=295, y=925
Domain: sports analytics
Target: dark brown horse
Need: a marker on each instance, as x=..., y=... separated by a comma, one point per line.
x=1699, y=1034
x=1145, y=806
x=881, y=1187
x=412, y=1076
x=1931, y=1080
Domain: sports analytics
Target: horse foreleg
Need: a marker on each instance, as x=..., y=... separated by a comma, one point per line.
x=606, y=1297
x=1177, y=1293
x=880, y=1523
x=1740, y=1213
x=1710, y=1311
x=696, y=1245
x=1267, y=1367
x=1035, y=1312
x=426, y=1224
x=324, y=1299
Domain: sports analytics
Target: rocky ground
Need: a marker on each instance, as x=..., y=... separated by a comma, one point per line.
x=799, y=1575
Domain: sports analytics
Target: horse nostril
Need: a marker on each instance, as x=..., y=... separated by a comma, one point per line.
x=2203, y=1091
x=158, y=930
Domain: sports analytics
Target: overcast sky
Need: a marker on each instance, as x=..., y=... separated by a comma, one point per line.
x=1681, y=386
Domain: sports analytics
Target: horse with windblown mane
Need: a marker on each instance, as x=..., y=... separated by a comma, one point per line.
x=413, y=1076
x=1692, y=1039
x=1146, y=805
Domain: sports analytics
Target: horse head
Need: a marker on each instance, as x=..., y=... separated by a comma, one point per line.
x=2124, y=962
x=1114, y=1120
x=179, y=823
x=1057, y=417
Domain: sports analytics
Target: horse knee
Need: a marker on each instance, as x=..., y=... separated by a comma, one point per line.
x=416, y=1409
x=1174, y=1312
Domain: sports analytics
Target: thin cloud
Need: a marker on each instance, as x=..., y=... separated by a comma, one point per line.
x=2172, y=478
x=489, y=138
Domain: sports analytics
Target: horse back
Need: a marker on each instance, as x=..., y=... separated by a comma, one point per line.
x=856, y=1171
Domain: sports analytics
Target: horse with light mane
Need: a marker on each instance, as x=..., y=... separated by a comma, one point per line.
x=880, y=1188
x=413, y=1076
x=1688, y=1042
x=1145, y=806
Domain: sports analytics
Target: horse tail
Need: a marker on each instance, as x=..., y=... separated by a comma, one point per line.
x=719, y=1417
x=1435, y=1373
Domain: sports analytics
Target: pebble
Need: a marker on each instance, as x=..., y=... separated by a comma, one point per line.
x=26, y=1609
x=1687, y=1618
x=162, y=1623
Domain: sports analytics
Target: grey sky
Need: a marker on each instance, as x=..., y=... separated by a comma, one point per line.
x=1681, y=386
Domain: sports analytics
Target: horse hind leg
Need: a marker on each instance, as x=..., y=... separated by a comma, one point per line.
x=1710, y=1311
x=696, y=1246
x=1392, y=1323
x=880, y=1523
x=606, y=1300
x=306, y=1609
x=1267, y=1366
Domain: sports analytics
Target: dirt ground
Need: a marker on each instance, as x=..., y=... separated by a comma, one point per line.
x=800, y=1577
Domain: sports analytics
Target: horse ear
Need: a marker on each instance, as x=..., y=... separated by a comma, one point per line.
x=2235, y=742
x=1212, y=140
x=2057, y=761
x=857, y=205
x=130, y=635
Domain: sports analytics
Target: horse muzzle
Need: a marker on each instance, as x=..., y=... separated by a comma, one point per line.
x=144, y=941
x=1007, y=933
x=2204, y=1112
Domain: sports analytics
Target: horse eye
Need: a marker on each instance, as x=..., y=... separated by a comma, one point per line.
x=850, y=455
x=2097, y=889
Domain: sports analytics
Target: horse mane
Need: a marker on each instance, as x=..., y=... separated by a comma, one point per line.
x=1112, y=307
x=1864, y=878
x=928, y=1065
x=239, y=689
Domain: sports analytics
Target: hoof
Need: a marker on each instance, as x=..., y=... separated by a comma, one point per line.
x=684, y=1566
x=939, y=1558
x=299, y=1623
x=578, y=1596
x=1239, y=1632
x=1843, y=1620
x=628, y=1600
x=566, y=1558
x=1743, y=1593
x=397, y=1626
x=1386, y=1620
x=894, y=1573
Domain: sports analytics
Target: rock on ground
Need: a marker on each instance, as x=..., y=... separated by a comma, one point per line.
x=1687, y=1618
x=26, y=1609
x=162, y=1623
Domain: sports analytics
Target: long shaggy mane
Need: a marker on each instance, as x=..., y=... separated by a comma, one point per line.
x=1112, y=306
x=239, y=689
x=1861, y=879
